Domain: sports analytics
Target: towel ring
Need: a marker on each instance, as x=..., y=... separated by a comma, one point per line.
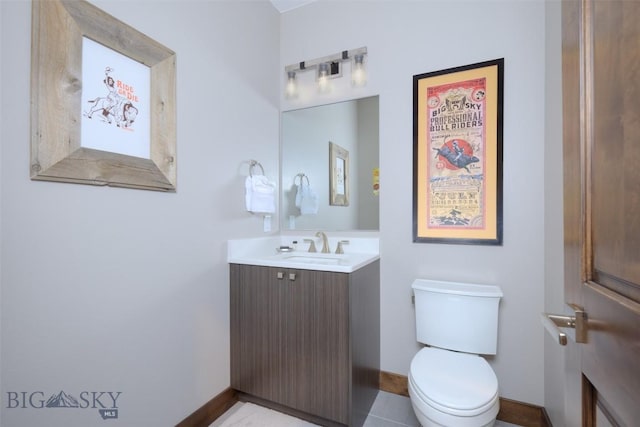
x=253, y=164
x=301, y=176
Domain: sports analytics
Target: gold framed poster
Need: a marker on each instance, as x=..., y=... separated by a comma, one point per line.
x=103, y=100
x=457, y=155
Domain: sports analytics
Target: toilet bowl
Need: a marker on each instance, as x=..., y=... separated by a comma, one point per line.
x=450, y=384
x=452, y=389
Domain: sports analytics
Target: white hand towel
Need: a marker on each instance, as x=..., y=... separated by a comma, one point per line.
x=308, y=201
x=260, y=194
x=298, y=195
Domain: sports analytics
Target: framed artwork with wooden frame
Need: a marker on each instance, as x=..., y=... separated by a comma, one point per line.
x=457, y=155
x=103, y=100
x=338, y=175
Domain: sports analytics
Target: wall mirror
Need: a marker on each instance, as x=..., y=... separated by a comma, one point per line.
x=306, y=166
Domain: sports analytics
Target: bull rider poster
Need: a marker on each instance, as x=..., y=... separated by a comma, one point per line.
x=457, y=155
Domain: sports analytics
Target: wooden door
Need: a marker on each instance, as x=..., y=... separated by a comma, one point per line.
x=601, y=121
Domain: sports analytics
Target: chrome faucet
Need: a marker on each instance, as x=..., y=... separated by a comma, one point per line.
x=325, y=242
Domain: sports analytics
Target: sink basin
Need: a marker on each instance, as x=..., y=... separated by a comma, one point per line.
x=313, y=260
x=345, y=263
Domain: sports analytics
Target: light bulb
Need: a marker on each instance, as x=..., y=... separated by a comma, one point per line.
x=291, y=89
x=358, y=71
x=323, y=78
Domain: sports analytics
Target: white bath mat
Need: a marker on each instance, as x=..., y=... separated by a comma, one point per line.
x=250, y=415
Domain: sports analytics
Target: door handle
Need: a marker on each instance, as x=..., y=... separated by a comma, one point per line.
x=553, y=322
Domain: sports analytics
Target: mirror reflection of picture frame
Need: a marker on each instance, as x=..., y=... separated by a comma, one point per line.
x=338, y=175
x=63, y=99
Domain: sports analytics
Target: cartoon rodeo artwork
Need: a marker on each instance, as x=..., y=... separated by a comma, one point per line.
x=117, y=106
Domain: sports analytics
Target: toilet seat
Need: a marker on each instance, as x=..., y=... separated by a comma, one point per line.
x=458, y=384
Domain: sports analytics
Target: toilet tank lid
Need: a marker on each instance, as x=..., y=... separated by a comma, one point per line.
x=457, y=288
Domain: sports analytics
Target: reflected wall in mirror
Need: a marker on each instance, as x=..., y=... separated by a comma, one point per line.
x=305, y=159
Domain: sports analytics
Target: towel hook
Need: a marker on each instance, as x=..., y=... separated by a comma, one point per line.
x=252, y=164
x=301, y=176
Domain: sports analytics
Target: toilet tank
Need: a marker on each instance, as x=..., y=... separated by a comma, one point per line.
x=457, y=316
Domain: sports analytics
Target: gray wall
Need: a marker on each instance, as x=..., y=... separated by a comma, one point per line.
x=554, y=354
x=368, y=132
x=107, y=289
x=407, y=38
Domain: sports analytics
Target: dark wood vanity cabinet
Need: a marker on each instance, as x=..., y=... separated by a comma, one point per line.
x=308, y=341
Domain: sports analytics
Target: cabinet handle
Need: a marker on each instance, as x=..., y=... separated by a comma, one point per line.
x=280, y=275
x=292, y=276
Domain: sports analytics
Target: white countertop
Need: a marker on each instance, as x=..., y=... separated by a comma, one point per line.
x=263, y=251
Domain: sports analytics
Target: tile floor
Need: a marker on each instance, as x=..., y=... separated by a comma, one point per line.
x=392, y=410
x=388, y=410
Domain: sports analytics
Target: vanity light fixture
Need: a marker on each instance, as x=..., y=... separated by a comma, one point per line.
x=329, y=67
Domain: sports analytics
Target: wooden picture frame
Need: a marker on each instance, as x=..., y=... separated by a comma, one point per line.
x=338, y=175
x=57, y=153
x=457, y=155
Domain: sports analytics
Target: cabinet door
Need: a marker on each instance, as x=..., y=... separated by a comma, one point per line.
x=290, y=338
x=316, y=351
x=256, y=333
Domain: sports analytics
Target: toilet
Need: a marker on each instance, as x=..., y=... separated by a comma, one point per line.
x=450, y=384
